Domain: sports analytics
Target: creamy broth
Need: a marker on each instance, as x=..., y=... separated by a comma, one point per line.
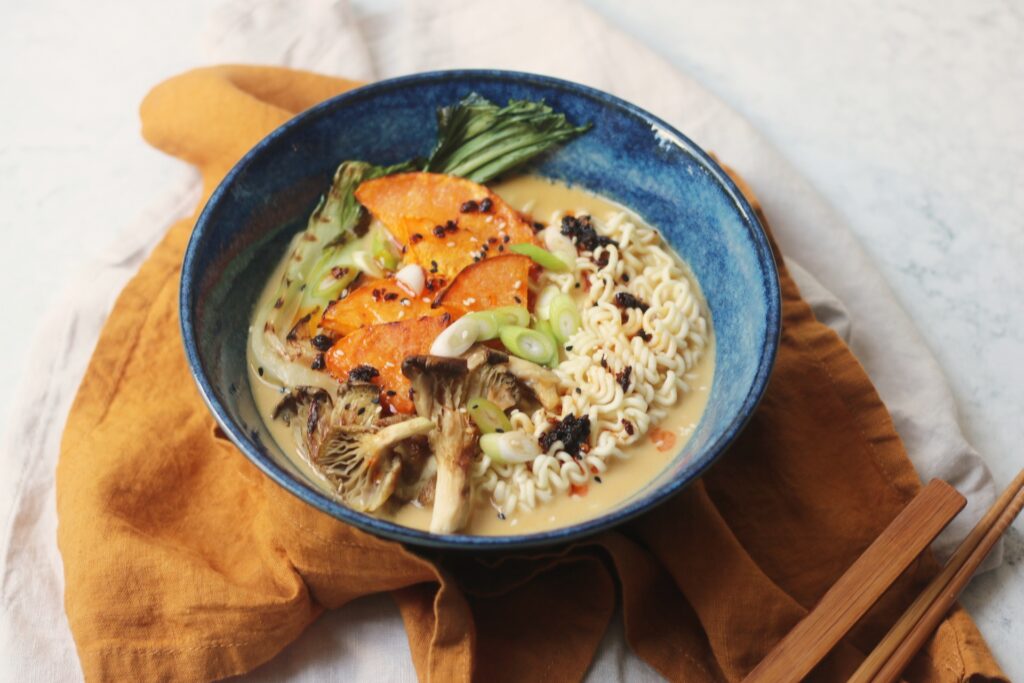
x=625, y=477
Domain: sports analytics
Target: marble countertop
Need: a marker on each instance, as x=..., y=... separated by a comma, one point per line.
x=905, y=115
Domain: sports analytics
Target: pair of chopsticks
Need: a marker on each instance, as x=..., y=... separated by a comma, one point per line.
x=875, y=570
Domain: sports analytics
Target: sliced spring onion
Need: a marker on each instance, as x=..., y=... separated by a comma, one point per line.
x=488, y=416
x=542, y=257
x=559, y=245
x=565, y=317
x=543, y=306
x=511, y=315
x=528, y=344
x=456, y=339
x=544, y=327
x=510, y=447
x=384, y=251
x=488, y=323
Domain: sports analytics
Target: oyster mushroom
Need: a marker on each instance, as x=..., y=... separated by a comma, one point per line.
x=360, y=461
x=441, y=389
x=346, y=442
x=541, y=381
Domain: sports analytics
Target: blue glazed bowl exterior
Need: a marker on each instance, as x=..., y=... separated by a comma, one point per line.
x=628, y=156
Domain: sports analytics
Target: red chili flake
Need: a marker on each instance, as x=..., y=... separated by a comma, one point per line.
x=628, y=426
x=663, y=439
x=623, y=377
x=578, y=490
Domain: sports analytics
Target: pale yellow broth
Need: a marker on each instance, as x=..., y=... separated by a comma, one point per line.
x=624, y=478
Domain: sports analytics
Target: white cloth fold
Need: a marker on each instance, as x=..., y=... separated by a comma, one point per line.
x=564, y=39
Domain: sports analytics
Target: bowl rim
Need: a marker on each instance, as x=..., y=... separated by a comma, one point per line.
x=391, y=530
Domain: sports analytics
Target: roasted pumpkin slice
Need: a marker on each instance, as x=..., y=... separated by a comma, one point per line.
x=499, y=281
x=375, y=353
x=445, y=222
x=375, y=302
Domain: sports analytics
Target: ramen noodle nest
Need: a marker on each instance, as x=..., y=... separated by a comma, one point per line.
x=624, y=369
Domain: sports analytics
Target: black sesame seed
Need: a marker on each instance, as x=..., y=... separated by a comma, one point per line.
x=322, y=342
x=318, y=362
x=485, y=204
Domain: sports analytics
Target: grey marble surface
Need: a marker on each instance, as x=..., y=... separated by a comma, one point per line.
x=906, y=116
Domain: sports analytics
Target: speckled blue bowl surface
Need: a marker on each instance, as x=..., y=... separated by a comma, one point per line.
x=629, y=156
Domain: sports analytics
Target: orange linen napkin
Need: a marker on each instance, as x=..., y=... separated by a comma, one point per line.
x=182, y=561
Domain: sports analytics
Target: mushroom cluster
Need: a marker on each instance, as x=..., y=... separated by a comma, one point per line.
x=441, y=389
x=368, y=459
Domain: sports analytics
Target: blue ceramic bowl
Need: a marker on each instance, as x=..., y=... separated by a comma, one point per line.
x=629, y=156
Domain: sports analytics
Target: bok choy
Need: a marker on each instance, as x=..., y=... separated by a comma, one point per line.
x=477, y=140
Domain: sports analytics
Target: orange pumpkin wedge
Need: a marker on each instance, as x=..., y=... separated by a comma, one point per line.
x=383, y=347
x=445, y=222
x=375, y=302
x=499, y=281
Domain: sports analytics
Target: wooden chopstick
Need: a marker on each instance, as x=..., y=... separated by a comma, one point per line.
x=920, y=620
x=861, y=585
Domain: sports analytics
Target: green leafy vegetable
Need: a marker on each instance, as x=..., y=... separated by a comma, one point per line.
x=479, y=140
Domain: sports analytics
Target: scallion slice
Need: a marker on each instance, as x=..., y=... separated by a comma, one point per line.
x=488, y=323
x=511, y=315
x=544, y=327
x=510, y=447
x=489, y=418
x=565, y=317
x=528, y=344
x=542, y=257
x=456, y=339
x=542, y=308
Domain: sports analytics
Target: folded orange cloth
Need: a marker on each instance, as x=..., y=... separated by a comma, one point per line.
x=183, y=562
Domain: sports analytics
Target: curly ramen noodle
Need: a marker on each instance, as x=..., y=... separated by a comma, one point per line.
x=660, y=346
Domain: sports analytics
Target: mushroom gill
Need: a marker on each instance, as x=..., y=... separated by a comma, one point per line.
x=344, y=440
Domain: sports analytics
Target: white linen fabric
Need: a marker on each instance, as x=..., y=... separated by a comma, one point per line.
x=366, y=640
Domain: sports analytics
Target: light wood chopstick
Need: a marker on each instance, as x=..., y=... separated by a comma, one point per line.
x=920, y=620
x=861, y=585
